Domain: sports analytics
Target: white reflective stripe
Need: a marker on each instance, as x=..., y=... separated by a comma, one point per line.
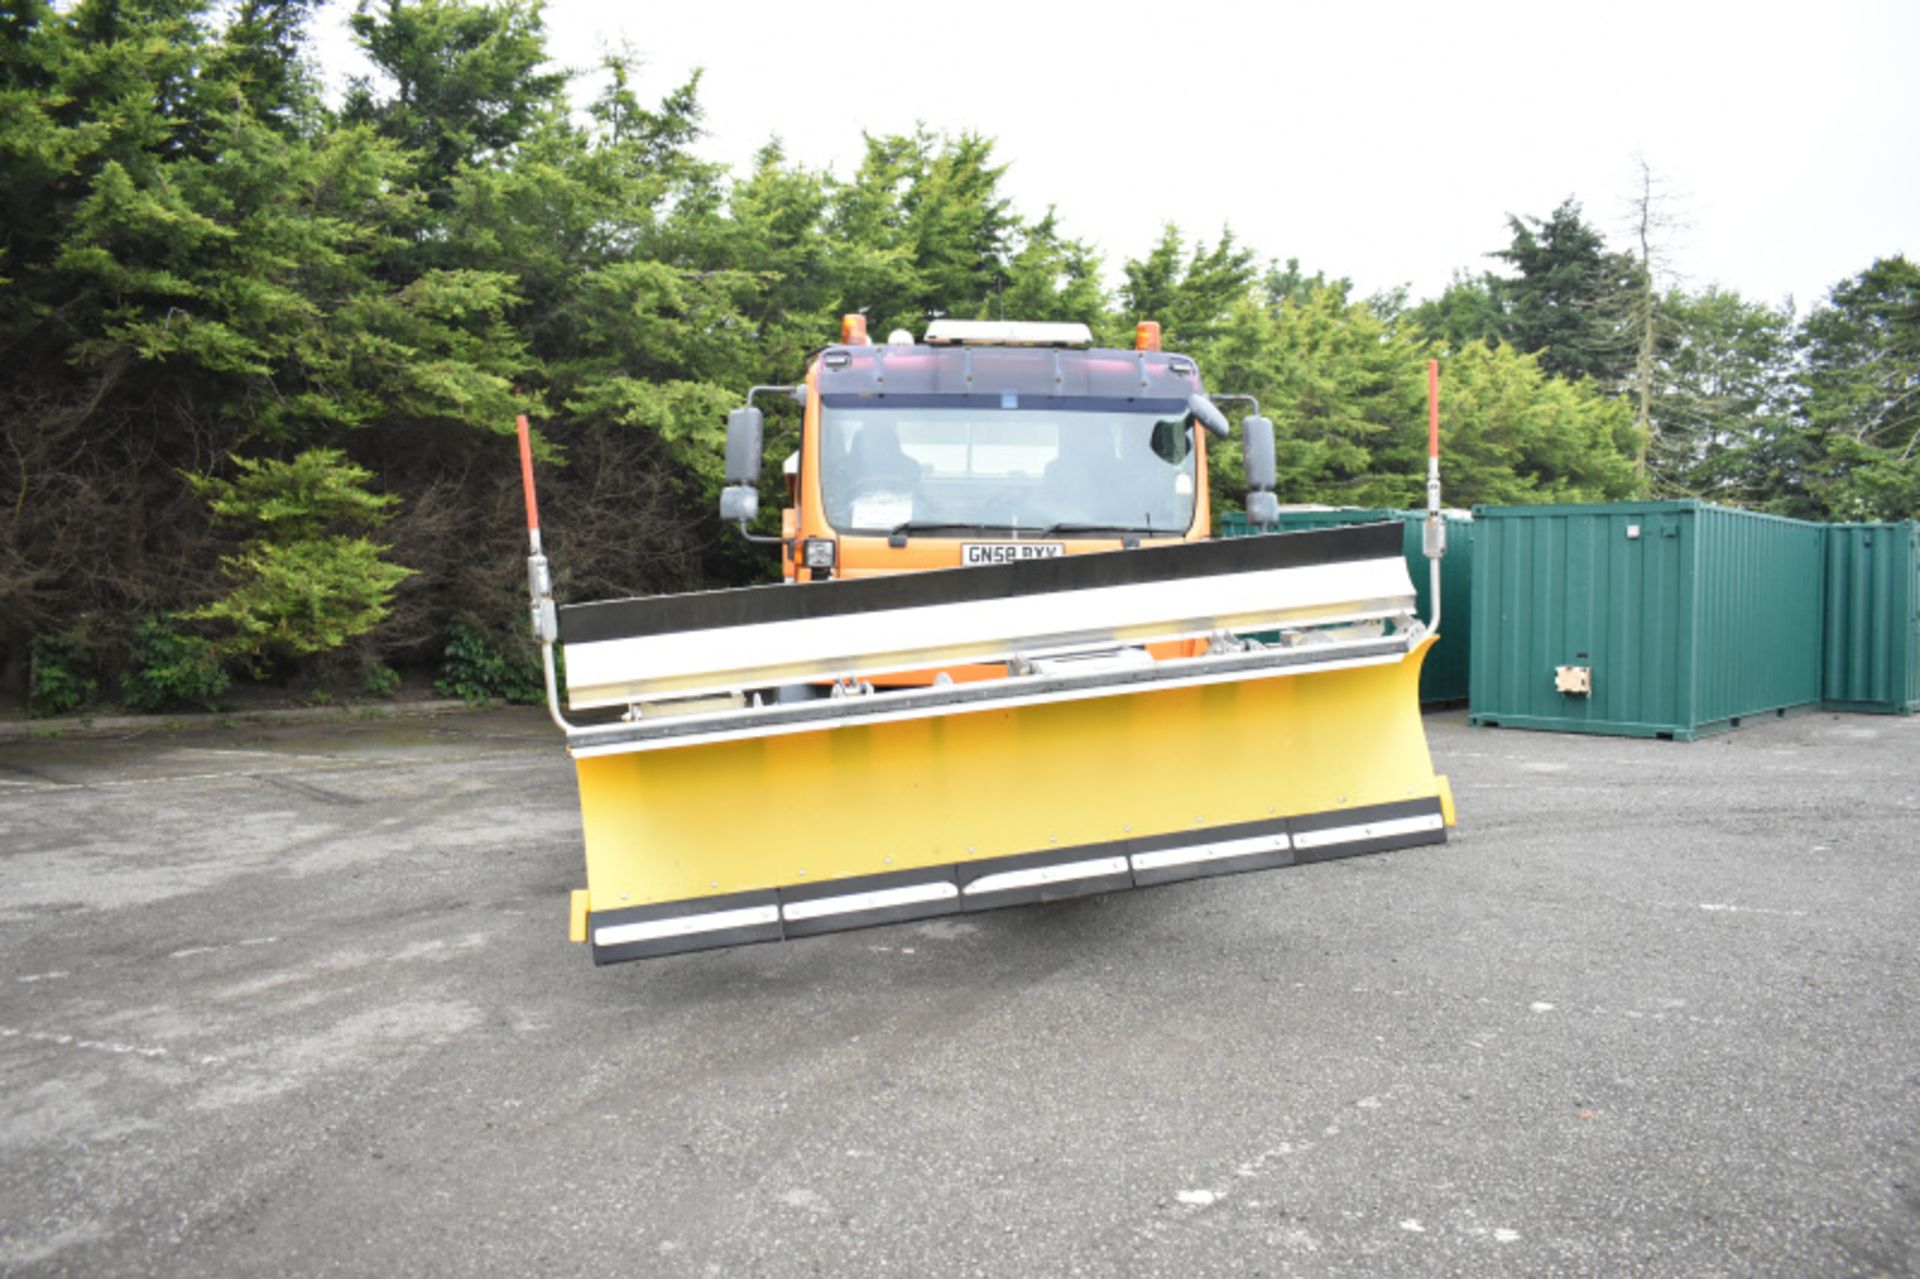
x=1008, y=879
x=1217, y=851
x=877, y=899
x=1367, y=830
x=685, y=925
x=610, y=672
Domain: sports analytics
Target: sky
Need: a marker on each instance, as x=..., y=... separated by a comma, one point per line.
x=1384, y=142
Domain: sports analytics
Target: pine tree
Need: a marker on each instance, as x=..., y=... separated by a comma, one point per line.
x=1570, y=299
x=466, y=83
x=1189, y=292
x=1862, y=404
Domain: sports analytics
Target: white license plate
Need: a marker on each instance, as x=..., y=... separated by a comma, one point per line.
x=972, y=553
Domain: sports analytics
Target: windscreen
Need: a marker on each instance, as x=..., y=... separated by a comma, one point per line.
x=999, y=465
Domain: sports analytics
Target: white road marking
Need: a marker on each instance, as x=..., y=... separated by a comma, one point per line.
x=100, y=1045
x=1250, y=1168
x=801, y=1197
x=340, y=765
x=208, y=950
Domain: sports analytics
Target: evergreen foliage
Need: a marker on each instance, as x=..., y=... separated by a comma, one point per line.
x=1722, y=397
x=1862, y=396
x=302, y=585
x=172, y=667
x=1189, y=291
x=1346, y=389
x=477, y=671
x=242, y=330
x=1569, y=302
x=61, y=675
x=464, y=82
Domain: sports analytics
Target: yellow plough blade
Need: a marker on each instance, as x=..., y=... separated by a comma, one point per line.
x=856, y=823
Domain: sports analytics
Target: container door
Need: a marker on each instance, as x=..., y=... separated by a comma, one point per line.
x=1913, y=616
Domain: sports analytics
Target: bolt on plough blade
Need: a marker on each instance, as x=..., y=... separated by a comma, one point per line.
x=716, y=815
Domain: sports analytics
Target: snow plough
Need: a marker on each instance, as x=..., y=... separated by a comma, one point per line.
x=1064, y=698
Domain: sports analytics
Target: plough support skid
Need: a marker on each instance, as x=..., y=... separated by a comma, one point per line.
x=719, y=812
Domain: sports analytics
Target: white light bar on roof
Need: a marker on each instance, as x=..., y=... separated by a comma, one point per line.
x=1006, y=333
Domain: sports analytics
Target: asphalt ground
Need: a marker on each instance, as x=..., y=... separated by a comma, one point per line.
x=299, y=1000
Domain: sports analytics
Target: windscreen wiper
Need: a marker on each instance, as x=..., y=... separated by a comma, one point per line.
x=898, y=534
x=1051, y=529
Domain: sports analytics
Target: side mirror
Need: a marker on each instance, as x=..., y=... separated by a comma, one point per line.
x=1202, y=410
x=739, y=503
x=1257, y=446
x=1263, y=508
x=745, y=429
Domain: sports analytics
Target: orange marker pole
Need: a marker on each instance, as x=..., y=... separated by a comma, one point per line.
x=1436, y=531
x=526, y=482
x=1433, y=409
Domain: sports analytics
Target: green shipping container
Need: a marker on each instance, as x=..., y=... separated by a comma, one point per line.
x=1647, y=619
x=1444, y=676
x=1872, y=655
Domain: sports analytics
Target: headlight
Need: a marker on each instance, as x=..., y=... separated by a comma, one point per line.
x=818, y=552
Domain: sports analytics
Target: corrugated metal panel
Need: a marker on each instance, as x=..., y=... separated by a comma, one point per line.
x=1686, y=618
x=1760, y=580
x=1444, y=677
x=1872, y=645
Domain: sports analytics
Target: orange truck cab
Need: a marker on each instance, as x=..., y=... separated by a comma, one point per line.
x=988, y=442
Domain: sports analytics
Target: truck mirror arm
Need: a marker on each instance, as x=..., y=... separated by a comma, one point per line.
x=762, y=539
x=739, y=504
x=1201, y=409
x=797, y=393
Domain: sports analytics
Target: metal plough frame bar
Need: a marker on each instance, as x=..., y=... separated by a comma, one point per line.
x=1015, y=690
x=717, y=642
